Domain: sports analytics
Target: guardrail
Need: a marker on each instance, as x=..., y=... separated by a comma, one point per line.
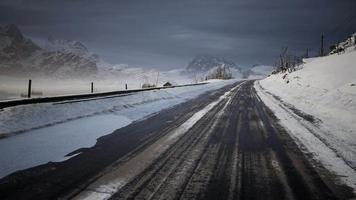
x=16, y=102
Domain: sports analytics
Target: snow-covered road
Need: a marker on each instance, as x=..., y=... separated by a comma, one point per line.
x=225, y=144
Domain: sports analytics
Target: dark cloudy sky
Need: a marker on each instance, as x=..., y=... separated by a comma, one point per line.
x=167, y=34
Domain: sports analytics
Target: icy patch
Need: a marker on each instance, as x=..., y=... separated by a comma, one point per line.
x=53, y=143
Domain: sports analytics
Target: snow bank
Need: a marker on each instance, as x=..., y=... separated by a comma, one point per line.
x=308, y=138
x=325, y=88
x=49, y=131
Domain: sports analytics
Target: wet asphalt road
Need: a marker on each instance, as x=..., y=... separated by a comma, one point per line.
x=236, y=151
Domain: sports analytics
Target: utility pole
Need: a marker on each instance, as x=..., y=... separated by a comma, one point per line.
x=322, y=45
x=126, y=86
x=29, y=88
x=92, y=87
x=157, y=79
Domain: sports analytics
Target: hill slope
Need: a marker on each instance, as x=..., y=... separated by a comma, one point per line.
x=322, y=99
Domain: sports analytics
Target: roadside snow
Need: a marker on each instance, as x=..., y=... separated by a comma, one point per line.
x=324, y=88
x=307, y=137
x=52, y=143
x=47, y=132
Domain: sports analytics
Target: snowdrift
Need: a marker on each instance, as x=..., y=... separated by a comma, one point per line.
x=324, y=87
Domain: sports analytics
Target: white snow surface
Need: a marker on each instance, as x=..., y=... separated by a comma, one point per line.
x=109, y=79
x=49, y=131
x=325, y=88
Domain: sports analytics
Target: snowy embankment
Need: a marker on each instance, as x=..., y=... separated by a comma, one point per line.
x=318, y=105
x=49, y=131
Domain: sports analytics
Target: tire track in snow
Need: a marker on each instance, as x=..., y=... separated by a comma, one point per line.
x=112, y=181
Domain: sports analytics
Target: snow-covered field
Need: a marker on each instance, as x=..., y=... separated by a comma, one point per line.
x=49, y=131
x=112, y=79
x=324, y=88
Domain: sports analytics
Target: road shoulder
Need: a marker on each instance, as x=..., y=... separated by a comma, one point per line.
x=304, y=133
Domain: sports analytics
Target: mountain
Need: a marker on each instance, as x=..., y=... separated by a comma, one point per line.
x=14, y=46
x=70, y=47
x=258, y=72
x=20, y=56
x=206, y=65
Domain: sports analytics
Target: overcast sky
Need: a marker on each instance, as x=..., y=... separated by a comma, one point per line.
x=167, y=34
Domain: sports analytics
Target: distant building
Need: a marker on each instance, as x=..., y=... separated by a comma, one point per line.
x=148, y=85
x=167, y=84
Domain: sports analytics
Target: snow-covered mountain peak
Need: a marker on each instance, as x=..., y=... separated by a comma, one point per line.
x=12, y=31
x=204, y=63
x=53, y=44
x=13, y=45
x=19, y=56
x=70, y=46
x=204, y=66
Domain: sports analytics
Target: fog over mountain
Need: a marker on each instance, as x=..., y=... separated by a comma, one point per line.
x=63, y=58
x=21, y=57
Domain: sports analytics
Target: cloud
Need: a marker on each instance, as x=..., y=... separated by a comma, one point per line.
x=167, y=34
